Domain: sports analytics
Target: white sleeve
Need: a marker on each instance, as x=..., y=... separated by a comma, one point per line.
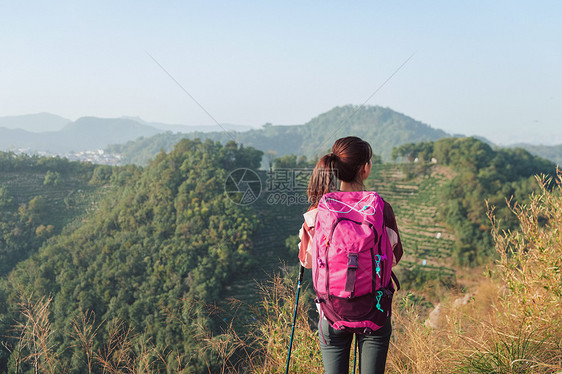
x=310, y=217
x=393, y=237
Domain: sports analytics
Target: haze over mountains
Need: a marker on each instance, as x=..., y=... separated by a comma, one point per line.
x=84, y=134
x=39, y=122
x=138, y=140
x=49, y=133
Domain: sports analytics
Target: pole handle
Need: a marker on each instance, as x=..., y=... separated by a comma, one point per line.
x=301, y=273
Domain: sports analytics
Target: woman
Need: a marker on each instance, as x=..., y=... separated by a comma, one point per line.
x=350, y=162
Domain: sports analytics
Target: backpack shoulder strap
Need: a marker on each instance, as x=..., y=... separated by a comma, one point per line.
x=395, y=280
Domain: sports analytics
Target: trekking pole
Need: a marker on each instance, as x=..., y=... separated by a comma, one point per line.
x=301, y=272
x=355, y=355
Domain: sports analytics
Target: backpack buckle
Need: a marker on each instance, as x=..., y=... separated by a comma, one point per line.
x=352, y=261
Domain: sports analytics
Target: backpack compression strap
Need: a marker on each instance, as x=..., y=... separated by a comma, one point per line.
x=352, y=265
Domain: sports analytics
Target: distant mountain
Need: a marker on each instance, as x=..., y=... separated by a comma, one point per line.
x=86, y=133
x=52, y=134
x=40, y=122
x=95, y=133
x=188, y=129
x=550, y=152
x=139, y=141
x=382, y=127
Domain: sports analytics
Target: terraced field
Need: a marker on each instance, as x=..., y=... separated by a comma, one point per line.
x=67, y=200
x=278, y=220
x=415, y=202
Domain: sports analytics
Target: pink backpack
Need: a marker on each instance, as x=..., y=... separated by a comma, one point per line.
x=352, y=261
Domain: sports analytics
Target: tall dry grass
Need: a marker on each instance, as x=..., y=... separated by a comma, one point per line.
x=512, y=322
x=271, y=335
x=123, y=350
x=35, y=337
x=527, y=333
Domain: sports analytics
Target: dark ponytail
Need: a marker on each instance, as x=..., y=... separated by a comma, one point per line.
x=344, y=162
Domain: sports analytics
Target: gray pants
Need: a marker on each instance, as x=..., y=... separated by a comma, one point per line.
x=335, y=346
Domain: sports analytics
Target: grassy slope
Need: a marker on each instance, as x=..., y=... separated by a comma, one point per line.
x=495, y=328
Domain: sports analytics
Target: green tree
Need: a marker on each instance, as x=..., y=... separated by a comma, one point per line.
x=51, y=178
x=5, y=198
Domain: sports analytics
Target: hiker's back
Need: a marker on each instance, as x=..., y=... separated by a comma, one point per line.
x=351, y=258
x=352, y=261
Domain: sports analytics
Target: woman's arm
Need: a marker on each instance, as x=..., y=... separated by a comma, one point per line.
x=393, y=234
x=305, y=256
x=306, y=233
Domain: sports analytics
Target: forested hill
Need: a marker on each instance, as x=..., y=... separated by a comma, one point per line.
x=165, y=238
x=550, y=152
x=382, y=127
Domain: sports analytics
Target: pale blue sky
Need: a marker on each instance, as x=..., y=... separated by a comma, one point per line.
x=491, y=68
